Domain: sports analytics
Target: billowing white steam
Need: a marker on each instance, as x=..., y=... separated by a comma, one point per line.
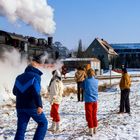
x=36, y=13
x=11, y=66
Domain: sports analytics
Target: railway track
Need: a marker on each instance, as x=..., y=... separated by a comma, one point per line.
x=101, y=77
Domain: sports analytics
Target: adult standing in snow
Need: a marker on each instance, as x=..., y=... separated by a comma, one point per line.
x=64, y=71
x=28, y=101
x=90, y=87
x=125, y=84
x=55, y=94
x=80, y=76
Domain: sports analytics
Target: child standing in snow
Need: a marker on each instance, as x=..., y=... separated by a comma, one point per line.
x=55, y=93
x=90, y=86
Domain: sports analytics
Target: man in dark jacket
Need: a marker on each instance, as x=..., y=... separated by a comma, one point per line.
x=28, y=101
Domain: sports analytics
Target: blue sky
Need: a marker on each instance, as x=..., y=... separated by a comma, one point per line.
x=116, y=21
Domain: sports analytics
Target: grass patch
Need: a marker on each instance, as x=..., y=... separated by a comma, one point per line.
x=103, y=87
x=69, y=90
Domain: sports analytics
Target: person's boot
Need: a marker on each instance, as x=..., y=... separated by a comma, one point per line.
x=94, y=130
x=53, y=127
x=90, y=133
x=57, y=129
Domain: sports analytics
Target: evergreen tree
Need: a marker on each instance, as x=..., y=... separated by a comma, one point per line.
x=80, y=52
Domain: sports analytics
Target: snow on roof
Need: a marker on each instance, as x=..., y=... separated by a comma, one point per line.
x=80, y=59
x=106, y=46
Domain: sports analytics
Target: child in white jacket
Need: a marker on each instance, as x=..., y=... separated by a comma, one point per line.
x=55, y=94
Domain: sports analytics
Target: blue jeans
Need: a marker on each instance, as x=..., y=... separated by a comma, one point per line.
x=24, y=116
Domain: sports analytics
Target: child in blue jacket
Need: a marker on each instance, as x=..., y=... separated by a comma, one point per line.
x=90, y=87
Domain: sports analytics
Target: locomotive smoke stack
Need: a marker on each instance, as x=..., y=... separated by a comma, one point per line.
x=50, y=41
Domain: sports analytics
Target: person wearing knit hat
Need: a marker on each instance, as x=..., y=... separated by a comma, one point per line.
x=55, y=91
x=125, y=84
x=37, y=59
x=90, y=87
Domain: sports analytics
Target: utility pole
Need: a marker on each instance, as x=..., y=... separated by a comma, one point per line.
x=110, y=68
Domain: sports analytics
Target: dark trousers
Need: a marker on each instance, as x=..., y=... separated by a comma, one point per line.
x=79, y=91
x=124, y=102
x=24, y=116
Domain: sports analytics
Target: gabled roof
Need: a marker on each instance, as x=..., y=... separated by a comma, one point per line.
x=106, y=46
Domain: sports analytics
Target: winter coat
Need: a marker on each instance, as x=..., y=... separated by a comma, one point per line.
x=27, y=89
x=90, y=87
x=55, y=91
x=80, y=75
x=125, y=82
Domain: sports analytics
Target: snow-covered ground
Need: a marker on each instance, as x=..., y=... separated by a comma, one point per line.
x=111, y=126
